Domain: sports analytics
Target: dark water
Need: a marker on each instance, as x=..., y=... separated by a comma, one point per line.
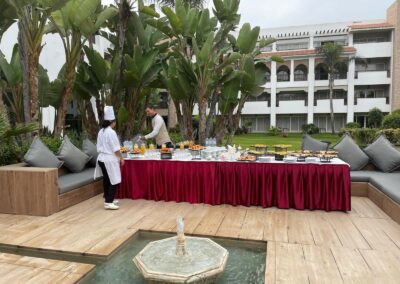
x=246, y=262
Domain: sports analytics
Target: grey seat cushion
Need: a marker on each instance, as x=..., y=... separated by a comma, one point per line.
x=389, y=184
x=72, y=181
x=364, y=176
x=311, y=144
x=349, y=152
x=74, y=159
x=40, y=156
x=383, y=154
x=90, y=149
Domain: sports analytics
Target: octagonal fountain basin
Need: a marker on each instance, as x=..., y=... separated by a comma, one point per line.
x=202, y=262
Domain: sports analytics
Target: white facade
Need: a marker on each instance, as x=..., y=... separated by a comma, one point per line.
x=297, y=92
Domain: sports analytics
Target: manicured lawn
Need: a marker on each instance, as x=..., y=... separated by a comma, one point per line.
x=294, y=139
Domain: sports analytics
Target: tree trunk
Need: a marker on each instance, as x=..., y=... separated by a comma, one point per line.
x=92, y=127
x=34, y=85
x=220, y=129
x=202, y=104
x=124, y=12
x=66, y=98
x=211, y=115
x=331, y=83
x=187, y=122
x=25, y=75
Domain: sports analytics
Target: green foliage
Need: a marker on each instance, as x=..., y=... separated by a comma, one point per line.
x=392, y=120
x=363, y=136
x=396, y=112
x=274, y=131
x=175, y=137
x=393, y=135
x=352, y=125
x=53, y=143
x=375, y=118
x=310, y=129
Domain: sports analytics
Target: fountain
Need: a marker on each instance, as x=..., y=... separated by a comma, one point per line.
x=181, y=259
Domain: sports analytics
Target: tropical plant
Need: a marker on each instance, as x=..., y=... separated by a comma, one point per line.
x=7, y=17
x=310, y=129
x=76, y=22
x=32, y=19
x=375, y=118
x=332, y=56
x=391, y=120
x=191, y=3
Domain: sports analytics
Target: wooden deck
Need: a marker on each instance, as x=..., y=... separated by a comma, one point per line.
x=362, y=246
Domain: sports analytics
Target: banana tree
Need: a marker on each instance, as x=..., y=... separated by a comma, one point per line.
x=12, y=84
x=7, y=17
x=32, y=18
x=76, y=22
x=199, y=43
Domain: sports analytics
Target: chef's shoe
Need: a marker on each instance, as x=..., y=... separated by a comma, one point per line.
x=115, y=202
x=111, y=206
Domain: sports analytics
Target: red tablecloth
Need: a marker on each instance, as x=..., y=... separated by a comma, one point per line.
x=299, y=186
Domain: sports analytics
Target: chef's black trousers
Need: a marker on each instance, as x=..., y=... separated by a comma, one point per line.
x=109, y=189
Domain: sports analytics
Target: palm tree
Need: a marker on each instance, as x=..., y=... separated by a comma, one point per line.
x=332, y=56
x=76, y=22
x=171, y=3
x=32, y=18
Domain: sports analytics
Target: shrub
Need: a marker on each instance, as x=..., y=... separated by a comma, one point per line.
x=310, y=129
x=363, y=136
x=53, y=143
x=397, y=111
x=175, y=137
x=375, y=118
x=274, y=131
x=391, y=120
x=352, y=125
x=393, y=135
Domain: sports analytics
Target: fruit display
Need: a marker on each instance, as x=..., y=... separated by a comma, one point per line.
x=185, y=144
x=165, y=151
x=135, y=151
x=196, y=147
x=124, y=149
x=247, y=158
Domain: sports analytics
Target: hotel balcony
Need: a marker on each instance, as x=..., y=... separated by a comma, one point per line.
x=379, y=77
x=374, y=50
x=365, y=104
x=323, y=106
x=262, y=107
x=291, y=107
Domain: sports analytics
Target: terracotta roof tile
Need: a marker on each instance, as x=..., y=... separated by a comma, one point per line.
x=371, y=26
x=303, y=52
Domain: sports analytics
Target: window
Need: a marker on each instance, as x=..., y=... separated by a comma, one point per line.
x=300, y=73
x=292, y=46
x=371, y=94
x=283, y=74
x=321, y=73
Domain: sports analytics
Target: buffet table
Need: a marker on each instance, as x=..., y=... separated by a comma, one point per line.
x=284, y=185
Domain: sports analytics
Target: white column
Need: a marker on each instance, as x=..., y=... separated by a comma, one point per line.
x=351, y=41
x=311, y=90
x=273, y=94
x=292, y=70
x=274, y=46
x=311, y=44
x=350, y=91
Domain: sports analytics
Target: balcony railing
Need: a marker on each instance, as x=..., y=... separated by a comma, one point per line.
x=300, y=77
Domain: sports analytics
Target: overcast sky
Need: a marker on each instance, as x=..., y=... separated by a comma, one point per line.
x=281, y=13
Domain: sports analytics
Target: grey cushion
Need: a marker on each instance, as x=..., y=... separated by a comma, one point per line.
x=91, y=150
x=72, y=181
x=349, y=152
x=383, y=154
x=312, y=144
x=74, y=159
x=388, y=183
x=364, y=176
x=39, y=155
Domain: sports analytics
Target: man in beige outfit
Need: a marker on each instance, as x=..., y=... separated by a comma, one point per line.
x=159, y=132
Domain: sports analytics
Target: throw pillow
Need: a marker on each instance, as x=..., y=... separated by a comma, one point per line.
x=383, y=154
x=350, y=152
x=311, y=144
x=90, y=149
x=74, y=159
x=40, y=156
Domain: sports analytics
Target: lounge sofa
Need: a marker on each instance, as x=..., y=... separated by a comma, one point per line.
x=38, y=191
x=382, y=188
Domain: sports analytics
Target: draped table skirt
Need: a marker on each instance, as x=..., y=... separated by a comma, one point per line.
x=282, y=185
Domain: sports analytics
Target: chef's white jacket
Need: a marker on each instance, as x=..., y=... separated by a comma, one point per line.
x=107, y=145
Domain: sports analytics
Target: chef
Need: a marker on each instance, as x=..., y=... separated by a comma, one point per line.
x=159, y=132
x=109, y=159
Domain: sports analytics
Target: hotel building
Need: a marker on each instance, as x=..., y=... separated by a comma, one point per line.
x=297, y=91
